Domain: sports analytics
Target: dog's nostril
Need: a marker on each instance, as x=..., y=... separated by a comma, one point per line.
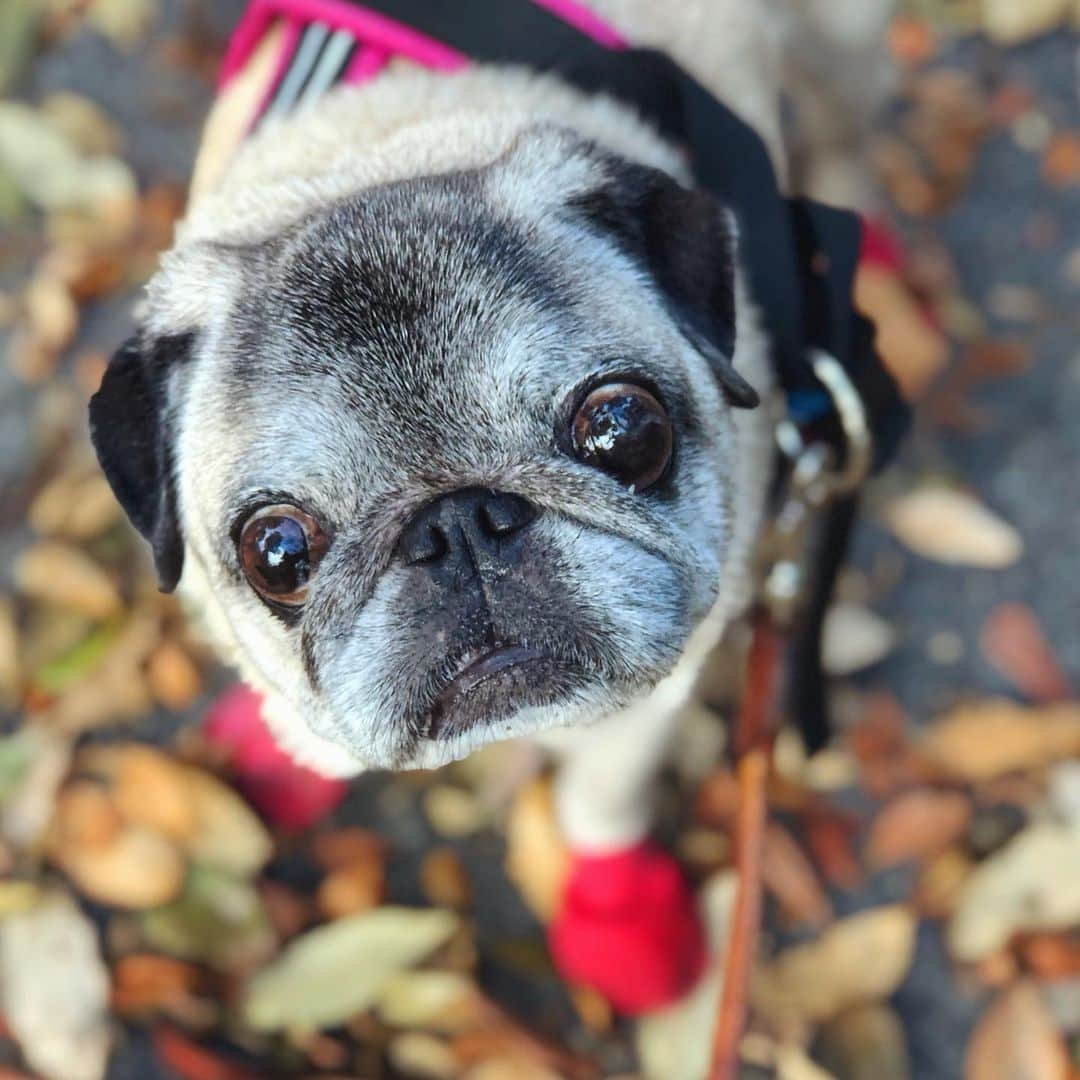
x=424, y=544
x=502, y=515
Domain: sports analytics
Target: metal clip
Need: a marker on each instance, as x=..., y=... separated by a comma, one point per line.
x=814, y=479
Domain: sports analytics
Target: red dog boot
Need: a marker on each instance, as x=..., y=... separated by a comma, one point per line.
x=285, y=793
x=628, y=927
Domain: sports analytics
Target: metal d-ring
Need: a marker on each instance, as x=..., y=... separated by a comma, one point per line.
x=849, y=407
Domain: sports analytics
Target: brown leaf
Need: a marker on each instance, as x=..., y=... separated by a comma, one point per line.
x=1017, y=1040
x=59, y=574
x=353, y=888
x=1051, y=956
x=911, y=40
x=146, y=983
x=138, y=869
x=443, y=879
x=818, y=980
x=879, y=741
x=916, y=826
x=914, y=350
x=941, y=884
x=980, y=741
x=993, y=358
x=86, y=816
x=173, y=676
x=335, y=849
x=150, y=789
x=831, y=842
x=75, y=505
x=537, y=860
x=1013, y=640
x=788, y=875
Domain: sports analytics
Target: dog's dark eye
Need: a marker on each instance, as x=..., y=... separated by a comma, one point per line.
x=280, y=547
x=624, y=430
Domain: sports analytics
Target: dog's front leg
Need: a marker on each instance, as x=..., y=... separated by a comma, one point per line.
x=627, y=924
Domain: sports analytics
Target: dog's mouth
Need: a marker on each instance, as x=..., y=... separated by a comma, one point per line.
x=499, y=672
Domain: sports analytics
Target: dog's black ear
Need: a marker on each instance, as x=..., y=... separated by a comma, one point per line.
x=131, y=432
x=687, y=241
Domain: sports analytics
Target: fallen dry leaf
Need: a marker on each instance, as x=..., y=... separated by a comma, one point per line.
x=82, y=121
x=173, y=677
x=56, y=573
x=453, y=811
x=136, y=869
x=217, y=919
x=228, y=834
x=86, y=816
x=149, y=789
x=1009, y=23
x=1017, y=1040
x=941, y=884
x=444, y=880
x=1012, y=639
x=537, y=859
x=818, y=980
x=864, y=1043
x=52, y=317
x=1064, y=792
x=445, y=1002
x=855, y=638
x=917, y=825
x=789, y=876
x=509, y=1067
x=144, y=983
x=50, y=172
x=913, y=348
x=911, y=40
x=43, y=758
x=74, y=506
x=335, y=849
x=1051, y=956
x=987, y=739
x=830, y=840
x=55, y=988
x=1031, y=884
x=331, y=973
x=416, y=1053
x=953, y=527
x=10, y=669
x=354, y=888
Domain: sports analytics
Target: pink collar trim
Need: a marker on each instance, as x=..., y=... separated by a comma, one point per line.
x=378, y=38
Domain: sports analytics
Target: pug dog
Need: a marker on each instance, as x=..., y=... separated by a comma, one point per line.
x=448, y=411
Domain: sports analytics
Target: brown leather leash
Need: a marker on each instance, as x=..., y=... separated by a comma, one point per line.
x=813, y=478
x=754, y=736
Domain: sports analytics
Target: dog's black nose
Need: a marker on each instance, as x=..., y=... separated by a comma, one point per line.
x=475, y=519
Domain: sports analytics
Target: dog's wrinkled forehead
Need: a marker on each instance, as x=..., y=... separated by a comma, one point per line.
x=402, y=304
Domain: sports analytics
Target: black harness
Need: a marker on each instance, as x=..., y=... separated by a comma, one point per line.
x=800, y=256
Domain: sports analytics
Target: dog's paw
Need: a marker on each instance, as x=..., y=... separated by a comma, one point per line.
x=628, y=927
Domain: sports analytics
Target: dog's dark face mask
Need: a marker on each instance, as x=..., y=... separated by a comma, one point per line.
x=456, y=459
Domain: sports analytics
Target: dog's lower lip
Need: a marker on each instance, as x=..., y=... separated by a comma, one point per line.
x=479, y=669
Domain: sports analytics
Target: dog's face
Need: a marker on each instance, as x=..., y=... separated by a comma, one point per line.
x=453, y=459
